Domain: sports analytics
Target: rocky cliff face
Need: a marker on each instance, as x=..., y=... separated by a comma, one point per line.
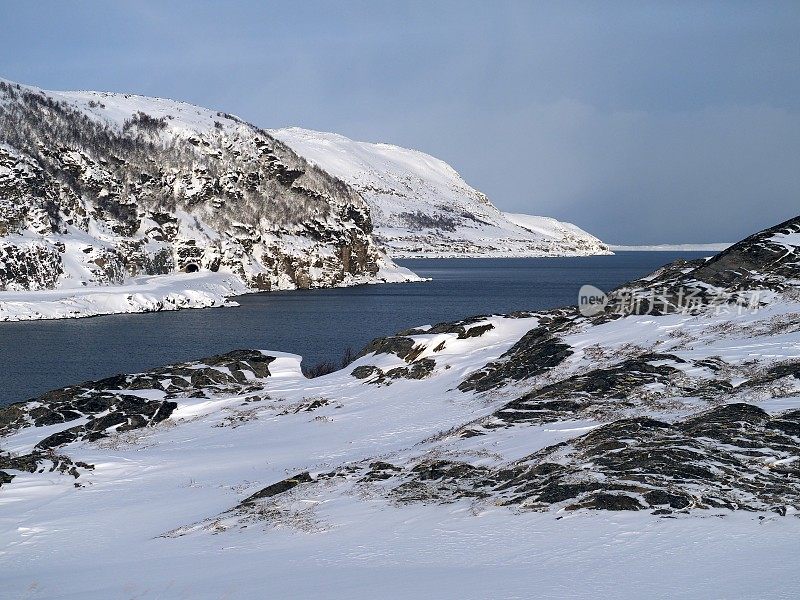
x=96, y=187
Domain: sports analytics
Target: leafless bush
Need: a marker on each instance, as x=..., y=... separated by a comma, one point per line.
x=326, y=367
x=145, y=122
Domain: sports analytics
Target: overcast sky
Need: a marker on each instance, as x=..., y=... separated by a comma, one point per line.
x=663, y=122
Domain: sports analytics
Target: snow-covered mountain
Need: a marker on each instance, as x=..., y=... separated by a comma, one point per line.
x=97, y=188
x=489, y=457
x=422, y=208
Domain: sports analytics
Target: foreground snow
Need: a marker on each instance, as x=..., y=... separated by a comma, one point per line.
x=422, y=208
x=421, y=552
x=539, y=454
x=153, y=517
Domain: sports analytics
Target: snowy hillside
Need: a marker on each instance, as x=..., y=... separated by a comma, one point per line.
x=650, y=450
x=99, y=188
x=421, y=208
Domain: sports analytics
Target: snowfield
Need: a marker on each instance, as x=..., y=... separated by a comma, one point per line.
x=422, y=208
x=545, y=454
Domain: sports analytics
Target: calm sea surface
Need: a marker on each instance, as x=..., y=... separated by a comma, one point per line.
x=317, y=324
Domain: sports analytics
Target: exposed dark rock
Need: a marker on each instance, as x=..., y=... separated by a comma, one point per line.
x=457, y=327
x=419, y=369
x=661, y=498
x=278, y=488
x=537, y=352
x=757, y=256
x=734, y=277
x=442, y=469
x=604, y=501
x=109, y=406
x=774, y=374
x=404, y=346
x=380, y=470
x=127, y=413
x=440, y=480
x=397, y=345
x=62, y=437
x=365, y=371
x=734, y=457
x=308, y=405
x=40, y=461
x=477, y=331
x=612, y=386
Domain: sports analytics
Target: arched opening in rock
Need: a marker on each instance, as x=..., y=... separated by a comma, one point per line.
x=191, y=268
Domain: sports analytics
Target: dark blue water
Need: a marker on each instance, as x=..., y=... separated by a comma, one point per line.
x=318, y=324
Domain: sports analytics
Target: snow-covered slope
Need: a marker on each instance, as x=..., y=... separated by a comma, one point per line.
x=646, y=451
x=422, y=208
x=98, y=188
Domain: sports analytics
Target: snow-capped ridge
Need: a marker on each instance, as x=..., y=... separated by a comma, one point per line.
x=421, y=207
x=115, y=108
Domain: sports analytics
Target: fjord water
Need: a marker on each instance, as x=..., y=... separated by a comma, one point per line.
x=317, y=324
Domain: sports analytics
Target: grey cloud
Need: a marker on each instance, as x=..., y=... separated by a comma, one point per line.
x=644, y=122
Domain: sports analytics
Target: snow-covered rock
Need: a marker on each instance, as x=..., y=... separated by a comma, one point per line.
x=99, y=188
x=488, y=457
x=422, y=208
